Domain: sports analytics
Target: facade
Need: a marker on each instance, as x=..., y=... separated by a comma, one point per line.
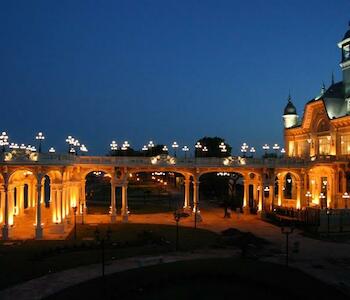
x=314, y=171
x=323, y=135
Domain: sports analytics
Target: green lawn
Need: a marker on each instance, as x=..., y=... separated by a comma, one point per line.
x=226, y=278
x=25, y=260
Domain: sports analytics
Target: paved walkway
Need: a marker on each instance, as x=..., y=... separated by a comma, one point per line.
x=328, y=261
x=47, y=285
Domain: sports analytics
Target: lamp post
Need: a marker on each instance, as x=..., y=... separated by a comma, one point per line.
x=244, y=149
x=322, y=196
x=114, y=147
x=266, y=147
x=198, y=147
x=276, y=147
x=102, y=240
x=144, y=150
x=125, y=147
x=40, y=137
x=308, y=196
x=252, y=151
x=52, y=150
x=287, y=230
x=177, y=217
x=83, y=149
x=205, y=150
x=165, y=149
x=175, y=145
x=185, y=149
x=283, y=151
x=151, y=146
x=75, y=221
x=346, y=196
x=4, y=140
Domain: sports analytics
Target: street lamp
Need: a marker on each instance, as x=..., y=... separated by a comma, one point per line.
x=346, y=196
x=165, y=149
x=308, y=196
x=4, y=140
x=145, y=149
x=83, y=149
x=40, y=137
x=52, y=150
x=283, y=151
x=276, y=147
x=252, y=151
x=198, y=146
x=125, y=146
x=205, y=150
x=244, y=149
x=114, y=147
x=151, y=146
x=266, y=147
x=287, y=231
x=175, y=146
x=70, y=141
x=322, y=196
x=185, y=149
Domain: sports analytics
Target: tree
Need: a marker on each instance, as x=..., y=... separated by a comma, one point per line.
x=212, y=144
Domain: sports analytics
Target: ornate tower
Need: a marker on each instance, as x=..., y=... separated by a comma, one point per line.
x=344, y=45
x=290, y=117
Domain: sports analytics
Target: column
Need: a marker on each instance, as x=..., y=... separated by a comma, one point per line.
x=11, y=206
x=280, y=192
x=124, y=210
x=187, y=194
x=271, y=195
x=2, y=203
x=20, y=199
x=5, y=227
x=245, y=196
x=59, y=204
x=82, y=197
x=38, y=226
x=53, y=204
x=261, y=195
x=298, y=190
x=113, y=202
x=196, y=209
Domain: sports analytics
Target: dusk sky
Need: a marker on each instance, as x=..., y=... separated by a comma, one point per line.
x=163, y=70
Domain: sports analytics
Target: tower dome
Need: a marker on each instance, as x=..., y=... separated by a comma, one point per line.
x=290, y=116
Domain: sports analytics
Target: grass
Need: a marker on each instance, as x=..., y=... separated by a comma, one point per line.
x=29, y=259
x=223, y=278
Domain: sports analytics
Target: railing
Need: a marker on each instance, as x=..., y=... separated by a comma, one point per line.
x=165, y=160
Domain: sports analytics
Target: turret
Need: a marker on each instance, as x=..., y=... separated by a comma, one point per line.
x=344, y=45
x=290, y=117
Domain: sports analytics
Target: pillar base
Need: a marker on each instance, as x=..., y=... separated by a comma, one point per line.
x=246, y=210
x=57, y=228
x=5, y=232
x=187, y=209
x=125, y=217
x=38, y=232
x=113, y=218
x=198, y=216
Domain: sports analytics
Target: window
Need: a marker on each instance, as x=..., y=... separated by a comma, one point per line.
x=345, y=144
x=324, y=145
x=346, y=52
x=302, y=148
x=291, y=148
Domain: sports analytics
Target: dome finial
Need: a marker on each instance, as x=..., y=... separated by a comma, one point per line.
x=289, y=97
x=323, y=89
x=332, y=77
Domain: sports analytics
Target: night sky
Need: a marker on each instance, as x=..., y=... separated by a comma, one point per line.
x=163, y=70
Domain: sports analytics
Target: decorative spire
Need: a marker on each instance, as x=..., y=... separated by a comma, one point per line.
x=323, y=89
x=289, y=97
x=332, y=77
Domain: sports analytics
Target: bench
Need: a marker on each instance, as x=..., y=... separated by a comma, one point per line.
x=149, y=261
